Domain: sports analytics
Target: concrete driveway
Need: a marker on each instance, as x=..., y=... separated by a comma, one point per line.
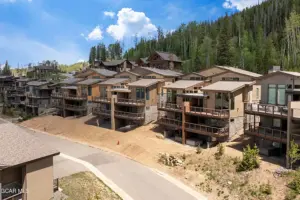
x=138, y=181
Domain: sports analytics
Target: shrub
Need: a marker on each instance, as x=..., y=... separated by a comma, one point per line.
x=198, y=150
x=265, y=189
x=291, y=195
x=295, y=183
x=250, y=159
x=293, y=153
x=220, y=152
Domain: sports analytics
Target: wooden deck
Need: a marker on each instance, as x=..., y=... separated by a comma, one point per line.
x=170, y=107
x=101, y=112
x=210, y=113
x=206, y=130
x=130, y=115
x=266, y=110
x=130, y=102
x=266, y=133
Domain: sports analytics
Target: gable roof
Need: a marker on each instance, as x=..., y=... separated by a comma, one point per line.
x=293, y=74
x=166, y=56
x=209, y=72
x=114, y=62
x=71, y=81
x=226, y=86
x=37, y=83
x=240, y=71
x=163, y=72
x=113, y=81
x=90, y=81
x=130, y=72
x=104, y=72
x=182, y=84
x=144, y=82
x=19, y=147
x=144, y=60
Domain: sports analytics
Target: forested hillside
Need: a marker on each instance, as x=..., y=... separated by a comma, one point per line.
x=254, y=39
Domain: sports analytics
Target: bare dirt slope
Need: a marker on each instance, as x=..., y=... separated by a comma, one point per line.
x=216, y=179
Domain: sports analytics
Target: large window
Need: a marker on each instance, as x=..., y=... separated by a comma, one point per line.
x=147, y=94
x=272, y=94
x=140, y=93
x=102, y=91
x=89, y=90
x=276, y=94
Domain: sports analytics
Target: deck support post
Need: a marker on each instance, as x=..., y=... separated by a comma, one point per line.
x=288, y=134
x=185, y=106
x=112, y=114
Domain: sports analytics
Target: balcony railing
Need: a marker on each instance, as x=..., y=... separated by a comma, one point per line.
x=57, y=104
x=12, y=191
x=37, y=96
x=207, y=130
x=101, y=111
x=130, y=115
x=57, y=95
x=224, y=113
x=170, y=106
x=101, y=100
x=75, y=97
x=75, y=107
x=266, y=109
x=170, y=122
x=266, y=133
x=135, y=102
x=31, y=104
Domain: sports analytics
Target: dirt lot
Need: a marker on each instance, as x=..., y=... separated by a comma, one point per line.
x=85, y=185
x=217, y=179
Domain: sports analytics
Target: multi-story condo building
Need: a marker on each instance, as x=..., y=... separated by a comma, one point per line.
x=116, y=65
x=17, y=97
x=7, y=84
x=26, y=165
x=164, y=60
x=128, y=104
x=38, y=96
x=42, y=70
x=276, y=120
x=195, y=112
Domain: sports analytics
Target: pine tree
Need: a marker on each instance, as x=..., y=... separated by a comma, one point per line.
x=223, y=54
x=6, y=70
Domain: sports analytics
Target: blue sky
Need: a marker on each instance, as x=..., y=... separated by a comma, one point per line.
x=35, y=30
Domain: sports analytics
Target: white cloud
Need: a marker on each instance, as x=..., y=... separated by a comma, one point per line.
x=109, y=14
x=20, y=48
x=96, y=34
x=131, y=23
x=240, y=4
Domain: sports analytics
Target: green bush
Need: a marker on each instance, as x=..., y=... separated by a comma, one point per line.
x=250, y=159
x=291, y=195
x=220, y=152
x=265, y=189
x=295, y=183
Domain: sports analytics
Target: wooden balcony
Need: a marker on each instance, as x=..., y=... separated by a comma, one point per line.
x=75, y=107
x=101, y=112
x=57, y=104
x=57, y=95
x=266, y=133
x=206, y=130
x=170, y=123
x=266, y=110
x=170, y=107
x=130, y=115
x=130, y=102
x=75, y=97
x=101, y=100
x=31, y=104
x=37, y=96
x=208, y=112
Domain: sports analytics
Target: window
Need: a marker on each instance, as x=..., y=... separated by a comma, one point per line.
x=140, y=93
x=257, y=93
x=281, y=94
x=277, y=123
x=232, y=102
x=272, y=94
x=147, y=94
x=102, y=91
x=89, y=90
x=230, y=79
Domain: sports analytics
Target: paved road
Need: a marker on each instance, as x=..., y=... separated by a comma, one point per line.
x=136, y=180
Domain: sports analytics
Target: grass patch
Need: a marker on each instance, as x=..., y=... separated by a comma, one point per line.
x=86, y=186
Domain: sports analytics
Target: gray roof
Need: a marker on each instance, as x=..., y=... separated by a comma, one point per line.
x=71, y=81
x=133, y=63
x=183, y=84
x=104, y=72
x=168, y=56
x=226, y=86
x=69, y=87
x=89, y=81
x=23, y=80
x=297, y=74
x=240, y=71
x=37, y=83
x=113, y=81
x=164, y=72
x=144, y=82
x=114, y=62
x=19, y=147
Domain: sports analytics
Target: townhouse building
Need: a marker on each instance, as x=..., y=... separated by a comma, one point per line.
x=38, y=96
x=116, y=65
x=17, y=97
x=7, y=85
x=26, y=169
x=276, y=120
x=164, y=60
